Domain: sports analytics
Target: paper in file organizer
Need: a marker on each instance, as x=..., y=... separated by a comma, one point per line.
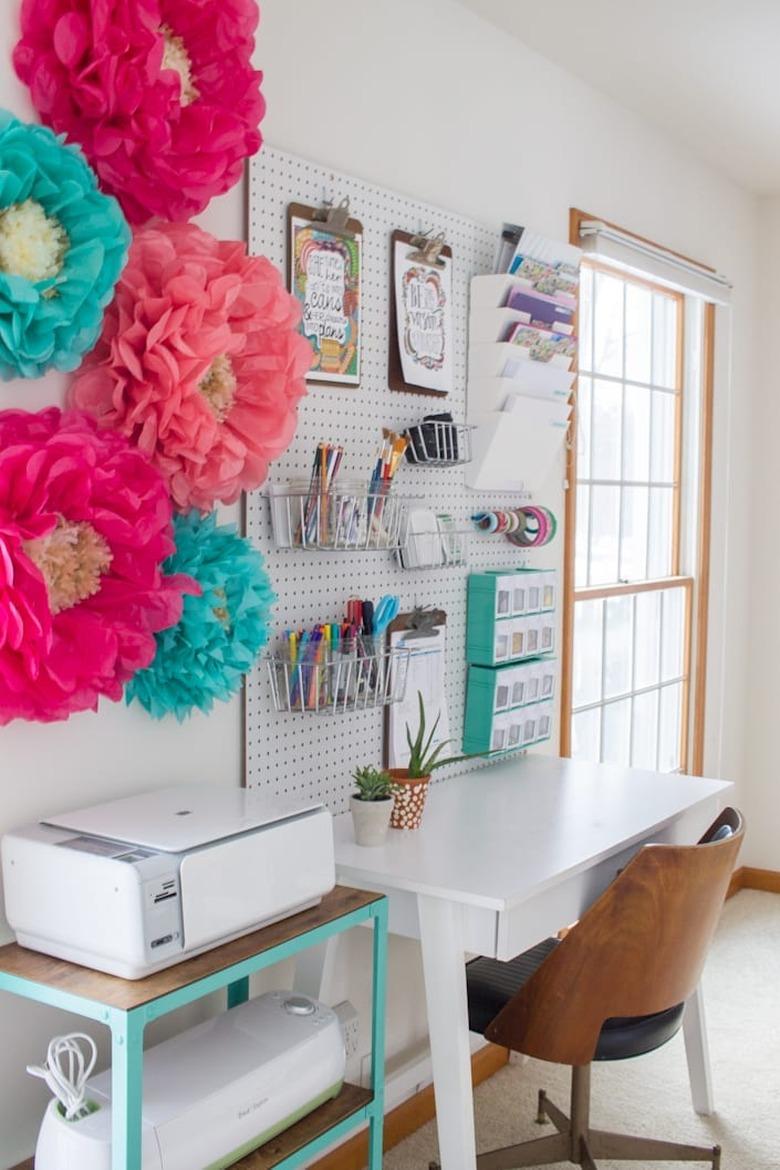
x=499, y=369
x=515, y=449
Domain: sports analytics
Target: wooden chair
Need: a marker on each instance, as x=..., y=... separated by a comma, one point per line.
x=613, y=988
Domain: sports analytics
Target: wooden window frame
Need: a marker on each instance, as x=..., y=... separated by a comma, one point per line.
x=695, y=646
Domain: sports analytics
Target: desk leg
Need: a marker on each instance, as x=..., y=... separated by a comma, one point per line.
x=441, y=936
x=127, y=1057
x=698, y=1054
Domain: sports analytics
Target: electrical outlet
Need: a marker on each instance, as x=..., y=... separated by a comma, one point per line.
x=350, y=1026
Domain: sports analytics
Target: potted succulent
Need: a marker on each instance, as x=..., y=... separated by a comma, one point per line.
x=411, y=782
x=371, y=805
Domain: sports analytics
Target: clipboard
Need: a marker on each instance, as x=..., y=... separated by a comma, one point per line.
x=333, y=365
x=395, y=373
x=424, y=675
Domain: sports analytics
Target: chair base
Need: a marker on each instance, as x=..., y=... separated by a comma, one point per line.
x=577, y=1143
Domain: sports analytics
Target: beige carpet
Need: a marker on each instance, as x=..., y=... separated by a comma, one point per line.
x=650, y=1095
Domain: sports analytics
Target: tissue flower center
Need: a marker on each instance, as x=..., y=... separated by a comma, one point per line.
x=72, y=559
x=176, y=57
x=221, y=612
x=32, y=243
x=218, y=386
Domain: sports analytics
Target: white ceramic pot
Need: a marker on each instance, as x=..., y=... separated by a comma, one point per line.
x=371, y=819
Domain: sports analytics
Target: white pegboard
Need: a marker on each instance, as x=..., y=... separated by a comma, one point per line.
x=314, y=754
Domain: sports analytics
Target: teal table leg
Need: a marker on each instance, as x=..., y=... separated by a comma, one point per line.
x=127, y=1060
x=376, y=1122
x=238, y=992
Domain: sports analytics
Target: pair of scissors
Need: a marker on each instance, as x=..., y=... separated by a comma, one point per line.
x=385, y=610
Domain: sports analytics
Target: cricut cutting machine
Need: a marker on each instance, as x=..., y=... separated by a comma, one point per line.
x=213, y=1093
x=135, y=885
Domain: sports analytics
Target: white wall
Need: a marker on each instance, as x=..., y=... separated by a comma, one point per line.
x=762, y=768
x=497, y=133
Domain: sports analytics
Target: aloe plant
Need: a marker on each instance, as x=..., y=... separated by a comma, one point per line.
x=422, y=758
x=373, y=784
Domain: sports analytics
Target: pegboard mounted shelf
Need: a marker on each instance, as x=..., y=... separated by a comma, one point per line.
x=346, y=682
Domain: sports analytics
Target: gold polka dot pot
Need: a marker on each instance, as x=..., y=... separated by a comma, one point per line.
x=408, y=799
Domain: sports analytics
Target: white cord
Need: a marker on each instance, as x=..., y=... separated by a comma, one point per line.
x=67, y=1071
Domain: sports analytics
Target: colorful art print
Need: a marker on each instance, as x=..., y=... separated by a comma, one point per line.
x=325, y=277
x=424, y=302
x=423, y=309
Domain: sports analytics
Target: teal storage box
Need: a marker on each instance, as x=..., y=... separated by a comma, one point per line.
x=494, y=691
x=501, y=623
x=514, y=730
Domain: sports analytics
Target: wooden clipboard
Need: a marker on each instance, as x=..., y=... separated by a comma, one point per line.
x=395, y=375
x=316, y=216
x=402, y=624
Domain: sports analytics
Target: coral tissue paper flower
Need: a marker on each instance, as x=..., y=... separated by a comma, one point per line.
x=62, y=247
x=161, y=94
x=85, y=524
x=200, y=363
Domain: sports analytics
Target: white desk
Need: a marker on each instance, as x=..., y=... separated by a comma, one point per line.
x=505, y=857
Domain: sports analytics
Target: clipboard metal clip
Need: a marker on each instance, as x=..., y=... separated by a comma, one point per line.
x=335, y=217
x=422, y=623
x=427, y=249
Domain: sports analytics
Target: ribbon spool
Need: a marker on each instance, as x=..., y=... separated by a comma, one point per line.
x=531, y=526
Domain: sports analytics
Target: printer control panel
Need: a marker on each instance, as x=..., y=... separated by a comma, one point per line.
x=163, y=934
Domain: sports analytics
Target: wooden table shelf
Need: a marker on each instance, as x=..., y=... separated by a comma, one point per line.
x=350, y=1100
x=126, y=1006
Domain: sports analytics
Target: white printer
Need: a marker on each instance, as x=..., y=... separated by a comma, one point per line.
x=135, y=885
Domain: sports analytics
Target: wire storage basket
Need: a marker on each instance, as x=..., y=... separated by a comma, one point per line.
x=364, y=678
x=350, y=518
x=439, y=442
x=434, y=546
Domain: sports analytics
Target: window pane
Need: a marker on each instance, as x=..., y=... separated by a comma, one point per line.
x=659, y=551
x=586, y=682
x=616, y=745
x=607, y=410
x=608, y=331
x=581, y=540
x=605, y=511
x=669, y=740
x=647, y=636
x=633, y=550
x=662, y=429
x=636, y=434
x=673, y=641
x=618, y=646
x=664, y=340
x=638, y=332
x=584, y=392
x=586, y=318
x=586, y=734
x=644, y=744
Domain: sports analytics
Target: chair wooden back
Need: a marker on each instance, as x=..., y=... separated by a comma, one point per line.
x=638, y=949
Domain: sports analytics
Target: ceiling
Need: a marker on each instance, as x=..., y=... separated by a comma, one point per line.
x=706, y=71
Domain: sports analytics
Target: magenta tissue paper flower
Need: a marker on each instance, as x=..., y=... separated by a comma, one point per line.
x=85, y=524
x=161, y=94
x=200, y=363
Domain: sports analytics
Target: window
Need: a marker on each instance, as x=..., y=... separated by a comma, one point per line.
x=627, y=696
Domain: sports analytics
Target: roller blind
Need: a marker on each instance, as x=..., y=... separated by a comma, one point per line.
x=601, y=241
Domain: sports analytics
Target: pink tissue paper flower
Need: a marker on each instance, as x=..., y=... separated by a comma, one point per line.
x=85, y=524
x=200, y=363
x=161, y=94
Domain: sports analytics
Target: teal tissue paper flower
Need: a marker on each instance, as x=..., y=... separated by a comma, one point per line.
x=63, y=245
x=221, y=632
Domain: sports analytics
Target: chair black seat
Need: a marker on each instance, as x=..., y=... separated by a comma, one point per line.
x=491, y=984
